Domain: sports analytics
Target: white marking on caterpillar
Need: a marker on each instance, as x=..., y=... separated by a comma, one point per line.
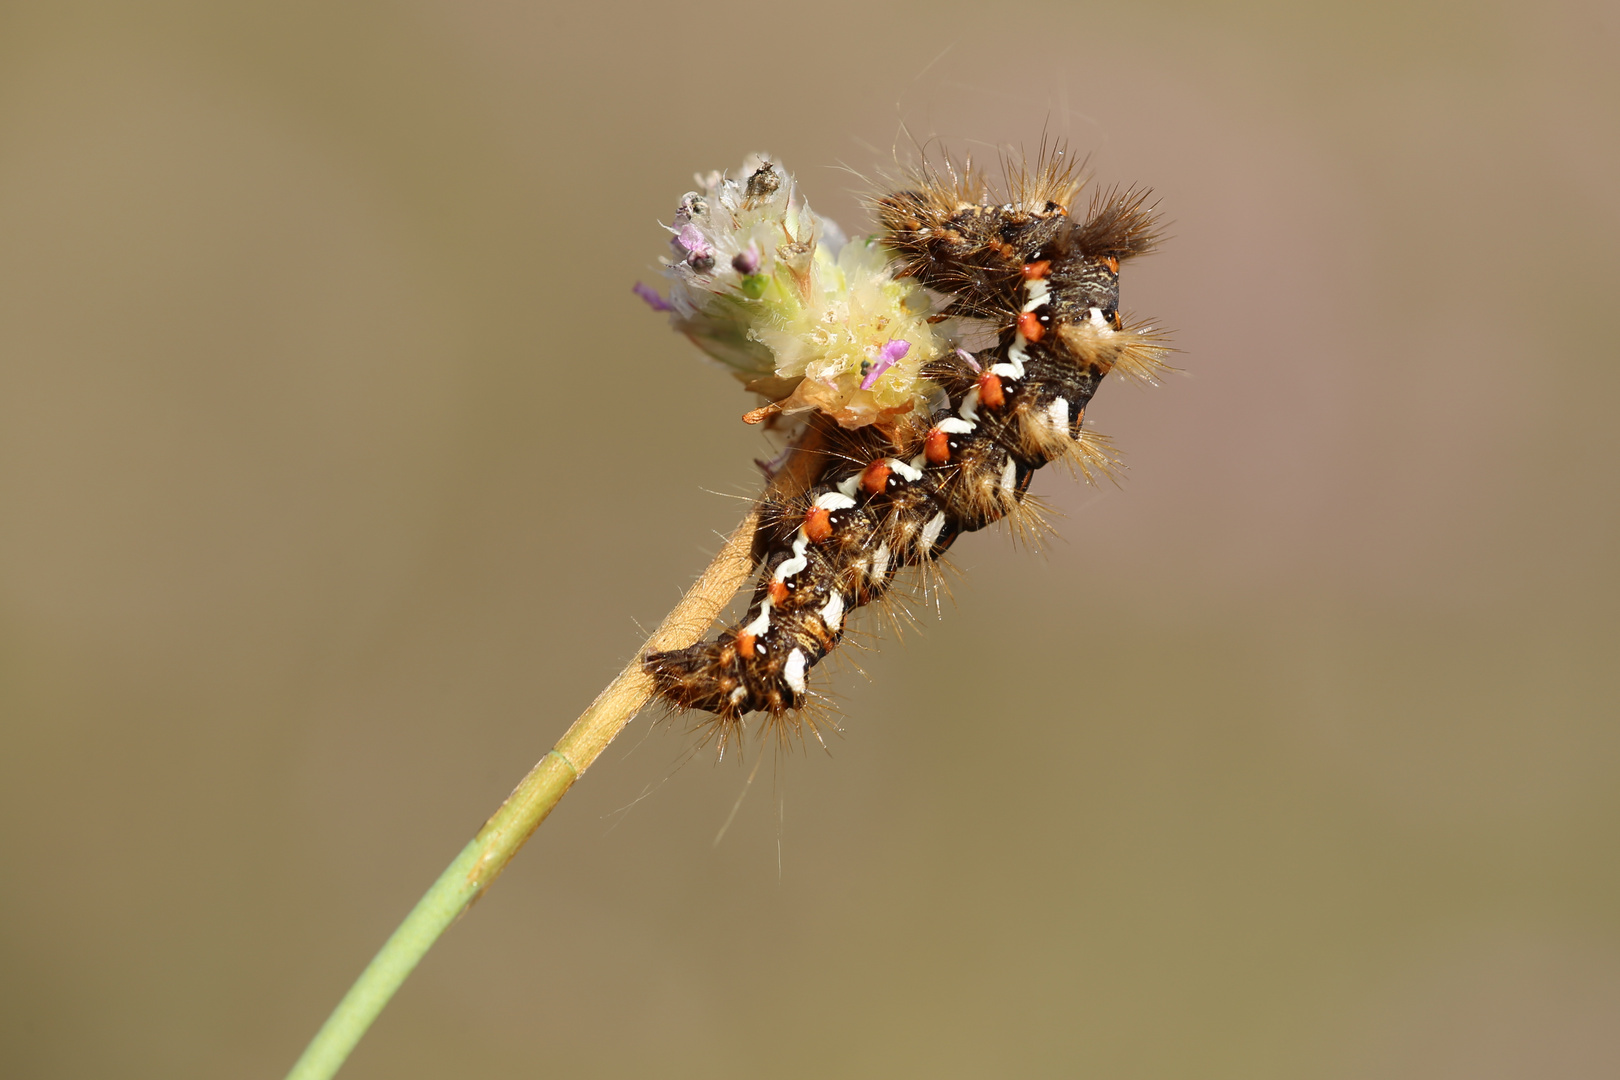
x=919, y=463
x=1037, y=297
x=1009, y=475
x=849, y=486
x=952, y=425
x=834, y=500
x=832, y=615
x=793, y=670
x=969, y=409
x=931, y=531
x=910, y=473
x=1099, y=322
x=738, y=695
x=1058, y=413
x=788, y=567
x=762, y=625
x=1006, y=371
x=880, y=562
x=1016, y=353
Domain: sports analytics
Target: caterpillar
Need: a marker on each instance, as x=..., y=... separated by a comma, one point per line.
x=898, y=491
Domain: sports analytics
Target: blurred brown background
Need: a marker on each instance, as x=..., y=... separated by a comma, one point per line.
x=338, y=464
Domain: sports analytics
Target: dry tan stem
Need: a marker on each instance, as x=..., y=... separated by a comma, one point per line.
x=615, y=706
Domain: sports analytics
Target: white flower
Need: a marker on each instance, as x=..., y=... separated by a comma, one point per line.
x=767, y=287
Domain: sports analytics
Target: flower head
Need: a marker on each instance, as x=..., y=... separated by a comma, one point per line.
x=774, y=291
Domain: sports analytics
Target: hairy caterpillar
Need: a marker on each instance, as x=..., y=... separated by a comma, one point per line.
x=897, y=490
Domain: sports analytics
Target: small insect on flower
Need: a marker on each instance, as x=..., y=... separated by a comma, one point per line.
x=869, y=341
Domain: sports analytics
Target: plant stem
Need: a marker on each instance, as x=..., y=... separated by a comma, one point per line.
x=483, y=859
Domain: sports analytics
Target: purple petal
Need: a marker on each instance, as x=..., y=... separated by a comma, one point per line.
x=968, y=357
x=774, y=465
x=887, y=355
x=650, y=294
x=691, y=238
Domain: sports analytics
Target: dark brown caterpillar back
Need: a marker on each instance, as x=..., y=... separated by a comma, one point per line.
x=1048, y=285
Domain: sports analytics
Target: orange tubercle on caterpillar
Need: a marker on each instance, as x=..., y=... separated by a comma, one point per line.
x=991, y=395
x=875, y=477
x=818, y=524
x=1029, y=324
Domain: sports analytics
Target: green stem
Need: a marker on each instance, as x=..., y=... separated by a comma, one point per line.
x=457, y=888
x=482, y=860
